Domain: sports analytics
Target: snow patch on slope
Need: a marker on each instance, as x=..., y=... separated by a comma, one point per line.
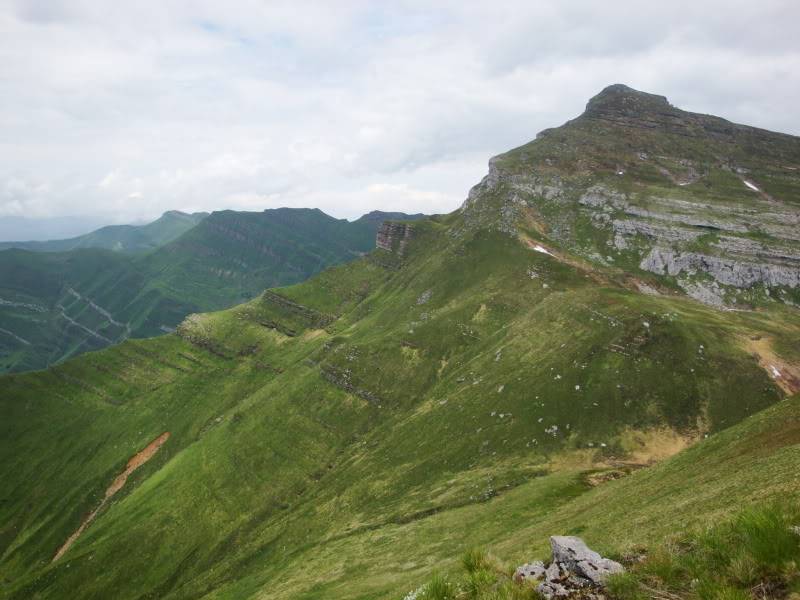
x=750, y=185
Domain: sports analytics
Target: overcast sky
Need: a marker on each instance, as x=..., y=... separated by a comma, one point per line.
x=125, y=109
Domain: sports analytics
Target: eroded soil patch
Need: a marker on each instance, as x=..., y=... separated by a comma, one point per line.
x=785, y=375
x=136, y=461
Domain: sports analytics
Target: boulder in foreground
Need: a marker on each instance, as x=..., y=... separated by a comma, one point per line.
x=575, y=571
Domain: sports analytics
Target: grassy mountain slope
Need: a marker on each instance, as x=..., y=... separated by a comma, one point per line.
x=346, y=436
x=290, y=456
x=663, y=510
x=43, y=319
x=238, y=254
x=121, y=238
x=55, y=305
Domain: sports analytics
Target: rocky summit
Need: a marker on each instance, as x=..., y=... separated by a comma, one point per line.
x=709, y=206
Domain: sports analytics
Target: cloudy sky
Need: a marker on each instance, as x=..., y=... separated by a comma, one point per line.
x=125, y=109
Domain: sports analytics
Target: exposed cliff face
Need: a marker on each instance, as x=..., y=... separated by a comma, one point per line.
x=740, y=274
x=393, y=236
x=711, y=206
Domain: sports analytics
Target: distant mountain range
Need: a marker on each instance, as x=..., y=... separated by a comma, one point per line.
x=19, y=228
x=122, y=238
x=61, y=298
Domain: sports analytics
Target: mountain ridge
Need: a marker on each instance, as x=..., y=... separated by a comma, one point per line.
x=495, y=381
x=121, y=238
x=87, y=298
x=619, y=101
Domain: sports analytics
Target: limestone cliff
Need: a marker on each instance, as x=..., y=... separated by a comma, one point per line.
x=394, y=236
x=710, y=206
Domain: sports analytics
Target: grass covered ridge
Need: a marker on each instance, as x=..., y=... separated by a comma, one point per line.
x=347, y=436
x=58, y=304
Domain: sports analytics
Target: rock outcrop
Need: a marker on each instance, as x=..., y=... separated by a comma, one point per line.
x=727, y=271
x=393, y=236
x=576, y=571
x=634, y=181
x=312, y=317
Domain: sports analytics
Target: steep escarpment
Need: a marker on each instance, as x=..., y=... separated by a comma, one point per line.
x=709, y=206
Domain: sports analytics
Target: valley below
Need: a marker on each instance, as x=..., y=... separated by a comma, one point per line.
x=60, y=299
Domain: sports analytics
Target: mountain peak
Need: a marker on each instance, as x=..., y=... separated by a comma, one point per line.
x=621, y=99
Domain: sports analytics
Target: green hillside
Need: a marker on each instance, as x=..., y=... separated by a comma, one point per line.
x=43, y=316
x=54, y=305
x=662, y=511
x=477, y=380
x=233, y=256
x=121, y=238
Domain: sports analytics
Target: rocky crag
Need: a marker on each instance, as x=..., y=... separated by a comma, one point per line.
x=576, y=571
x=710, y=207
x=393, y=236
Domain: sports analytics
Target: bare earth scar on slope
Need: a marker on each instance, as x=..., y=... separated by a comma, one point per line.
x=785, y=375
x=136, y=461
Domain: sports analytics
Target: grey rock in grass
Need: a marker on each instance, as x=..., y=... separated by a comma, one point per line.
x=530, y=571
x=576, y=557
x=575, y=571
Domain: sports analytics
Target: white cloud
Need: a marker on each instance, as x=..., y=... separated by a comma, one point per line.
x=397, y=197
x=130, y=109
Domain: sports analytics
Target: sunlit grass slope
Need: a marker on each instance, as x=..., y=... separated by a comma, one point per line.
x=715, y=521
x=347, y=436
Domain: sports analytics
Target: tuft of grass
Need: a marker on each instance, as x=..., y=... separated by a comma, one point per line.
x=626, y=585
x=768, y=536
x=439, y=588
x=478, y=581
x=482, y=579
x=756, y=553
x=475, y=559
